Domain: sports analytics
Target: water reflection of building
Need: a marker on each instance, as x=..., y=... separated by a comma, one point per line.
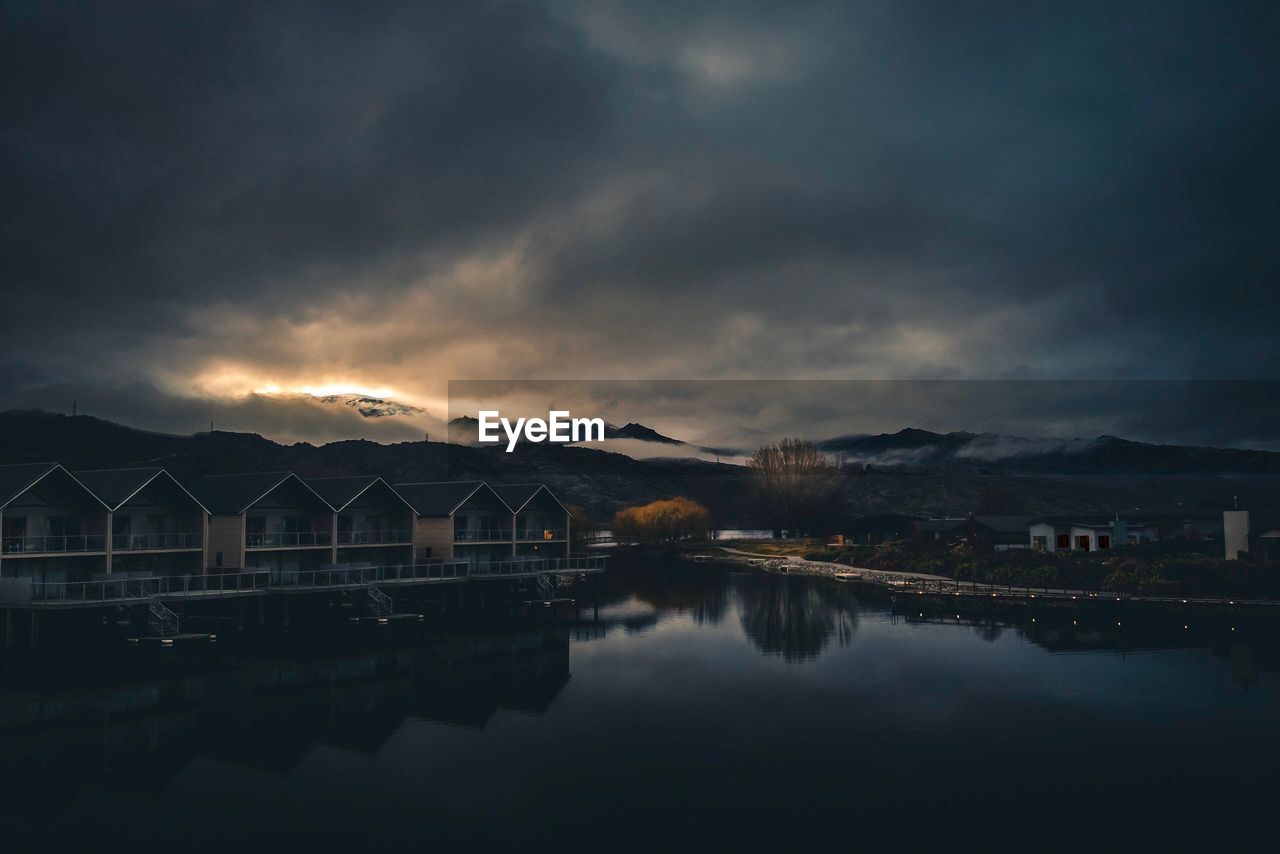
x=267, y=713
x=471, y=679
x=1244, y=664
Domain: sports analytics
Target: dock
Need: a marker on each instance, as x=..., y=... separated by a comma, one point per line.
x=25, y=593
x=148, y=602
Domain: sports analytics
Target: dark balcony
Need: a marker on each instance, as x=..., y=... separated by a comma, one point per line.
x=541, y=535
x=286, y=540
x=482, y=535
x=374, y=538
x=46, y=545
x=168, y=542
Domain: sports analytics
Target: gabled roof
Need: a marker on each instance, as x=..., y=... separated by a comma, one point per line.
x=517, y=495
x=17, y=479
x=444, y=497
x=117, y=486
x=232, y=494
x=341, y=491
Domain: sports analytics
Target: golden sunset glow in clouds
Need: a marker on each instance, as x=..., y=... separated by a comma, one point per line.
x=385, y=200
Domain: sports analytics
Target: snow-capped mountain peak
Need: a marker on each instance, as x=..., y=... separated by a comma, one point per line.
x=371, y=407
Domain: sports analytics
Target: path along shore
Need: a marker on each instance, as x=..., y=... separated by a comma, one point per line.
x=921, y=583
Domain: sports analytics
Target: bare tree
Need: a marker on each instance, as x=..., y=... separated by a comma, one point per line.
x=795, y=486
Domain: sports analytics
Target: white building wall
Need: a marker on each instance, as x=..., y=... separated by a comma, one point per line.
x=1045, y=530
x=1235, y=532
x=1077, y=532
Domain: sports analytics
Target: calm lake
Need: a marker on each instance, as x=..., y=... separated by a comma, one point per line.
x=697, y=706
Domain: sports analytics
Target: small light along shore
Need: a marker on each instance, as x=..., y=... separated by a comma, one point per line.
x=936, y=586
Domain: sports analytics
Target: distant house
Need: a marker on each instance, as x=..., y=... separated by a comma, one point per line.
x=988, y=533
x=1089, y=533
x=1001, y=533
x=880, y=528
x=1264, y=538
x=945, y=530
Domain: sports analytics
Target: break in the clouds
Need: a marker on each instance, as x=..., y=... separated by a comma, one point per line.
x=207, y=205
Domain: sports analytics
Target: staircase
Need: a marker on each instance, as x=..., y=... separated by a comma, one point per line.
x=546, y=587
x=379, y=603
x=162, y=619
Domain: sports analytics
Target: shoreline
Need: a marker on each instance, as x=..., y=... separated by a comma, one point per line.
x=938, y=586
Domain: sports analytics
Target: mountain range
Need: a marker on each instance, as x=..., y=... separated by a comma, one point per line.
x=911, y=471
x=1103, y=455
x=914, y=448
x=464, y=429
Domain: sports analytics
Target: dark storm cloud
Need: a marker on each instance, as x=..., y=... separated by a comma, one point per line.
x=187, y=151
x=284, y=194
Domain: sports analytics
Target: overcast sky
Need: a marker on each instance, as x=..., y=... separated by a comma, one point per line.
x=204, y=201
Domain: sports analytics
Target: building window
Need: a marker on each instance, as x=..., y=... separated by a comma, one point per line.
x=217, y=559
x=1104, y=541
x=1064, y=541
x=1082, y=542
x=63, y=526
x=1040, y=543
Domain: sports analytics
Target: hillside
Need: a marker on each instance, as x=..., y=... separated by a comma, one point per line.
x=602, y=482
x=1102, y=455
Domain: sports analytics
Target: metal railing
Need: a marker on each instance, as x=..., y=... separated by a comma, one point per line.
x=537, y=535
x=374, y=538
x=162, y=619
x=482, y=535
x=445, y=570
x=546, y=586
x=78, y=543
x=528, y=566
x=125, y=589
x=579, y=563
x=362, y=576
x=288, y=540
x=137, y=589
x=505, y=567
x=379, y=603
x=138, y=542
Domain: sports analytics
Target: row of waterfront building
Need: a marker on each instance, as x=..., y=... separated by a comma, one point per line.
x=62, y=526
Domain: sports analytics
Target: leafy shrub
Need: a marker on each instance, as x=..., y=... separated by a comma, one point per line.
x=668, y=520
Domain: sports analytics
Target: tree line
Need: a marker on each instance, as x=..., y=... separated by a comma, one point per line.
x=792, y=486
